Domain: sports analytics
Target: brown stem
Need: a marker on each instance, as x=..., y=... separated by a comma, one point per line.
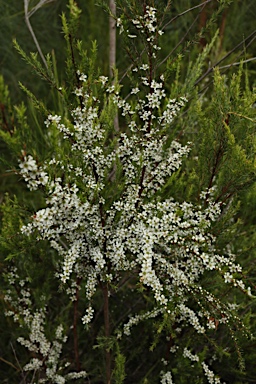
x=151, y=90
x=76, y=350
x=5, y=125
x=18, y=363
x=112, y=37
x=202, y=24
x=9, y=363
x=74, y=65
x=112, y=49
x=141, y=188
x=107, y=333
x=222, y=27
x=215, y=166
x=105, y=291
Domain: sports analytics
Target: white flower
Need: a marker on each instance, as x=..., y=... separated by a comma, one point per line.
x=166, y=378
x=212, y=379
x=103, y=80
x=228, y=277
x=87, y=318
x=78, y=92
x=135, y=90
x=83, y=77
x=144, y=67
x=187, y=353
x=28, y=165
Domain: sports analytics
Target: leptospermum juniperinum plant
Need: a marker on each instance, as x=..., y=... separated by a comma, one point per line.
x=106, y=217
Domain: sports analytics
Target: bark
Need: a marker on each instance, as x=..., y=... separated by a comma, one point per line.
x=112, y=48
x=107, y=333
x=112, y=37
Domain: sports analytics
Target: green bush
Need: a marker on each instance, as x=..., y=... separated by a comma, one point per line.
x=131, y=257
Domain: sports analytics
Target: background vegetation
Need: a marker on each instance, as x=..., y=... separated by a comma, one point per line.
x=184, y=39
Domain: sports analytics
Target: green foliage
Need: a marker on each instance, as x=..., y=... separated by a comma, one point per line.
x=119, y=370
x=220, y=124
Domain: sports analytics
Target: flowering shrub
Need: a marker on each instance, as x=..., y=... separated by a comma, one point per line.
x=116, y=233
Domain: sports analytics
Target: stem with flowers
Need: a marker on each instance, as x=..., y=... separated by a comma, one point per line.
x=127, y=251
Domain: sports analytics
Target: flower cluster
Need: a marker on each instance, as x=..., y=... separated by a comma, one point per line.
x=212, y=379
x=105, y=214
x=189, y=355
x=169, y=243
x=34, y=176
x=46, y=354
x=147, y=24
x=166, y=378
x=137, y=319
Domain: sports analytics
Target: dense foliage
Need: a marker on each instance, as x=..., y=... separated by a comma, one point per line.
x=130, y=256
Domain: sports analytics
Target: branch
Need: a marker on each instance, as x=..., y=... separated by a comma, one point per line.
x=179, y=43
x=237, y=63
x=112, y=49
x=28, y=14
x=112, y=37
x=252, y=36
x=76, y=349
x=39, y=5
x=9, y=363
x=187, y=10
x=107, y=332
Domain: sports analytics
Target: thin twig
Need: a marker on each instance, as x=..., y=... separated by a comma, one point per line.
x=179, y=43
x=237, y=63
x=107, y=332
x=112, y=37
x=76, y=349
x=28, y=14
x=112, y=49
x=39, y=5
x=9, y=363
x=169, y=22
x=252, y=36
x=21, y=370
x=187, y=10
